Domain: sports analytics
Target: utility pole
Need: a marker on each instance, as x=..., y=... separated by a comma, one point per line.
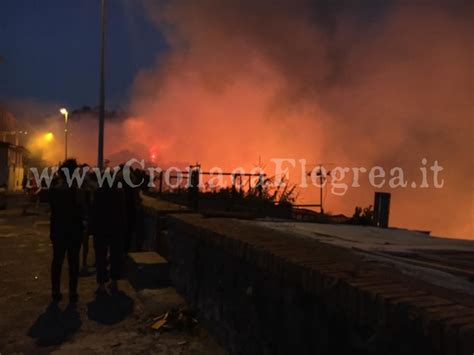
x=100, y=155
x=65, y=140
x=321, y=182
x=65, y=113
x=321, y=178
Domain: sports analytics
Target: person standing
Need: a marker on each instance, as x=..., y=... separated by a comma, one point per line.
x=132, y=201
x=108, y=228
x=89, y=186
x=66, y=229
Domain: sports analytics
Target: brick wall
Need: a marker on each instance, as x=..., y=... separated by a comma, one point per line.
x=264, y=292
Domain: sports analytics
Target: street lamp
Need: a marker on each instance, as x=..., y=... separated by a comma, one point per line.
x=100, y=153
x=48, y=137
x=65, y=113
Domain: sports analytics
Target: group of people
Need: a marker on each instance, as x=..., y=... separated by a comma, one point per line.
x=107, y=213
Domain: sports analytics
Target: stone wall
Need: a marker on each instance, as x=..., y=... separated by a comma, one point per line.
x=264, y=292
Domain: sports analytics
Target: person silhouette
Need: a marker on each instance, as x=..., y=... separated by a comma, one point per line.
x=108, y=225
x=67, y=219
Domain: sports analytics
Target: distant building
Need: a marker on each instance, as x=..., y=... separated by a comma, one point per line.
x=11, y=153
x=11, y=166
x=7, y=120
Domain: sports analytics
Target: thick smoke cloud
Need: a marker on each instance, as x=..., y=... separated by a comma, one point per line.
x=383, y=83
x=346, y=83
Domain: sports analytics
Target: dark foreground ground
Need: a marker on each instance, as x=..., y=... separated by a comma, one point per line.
x=119, y=324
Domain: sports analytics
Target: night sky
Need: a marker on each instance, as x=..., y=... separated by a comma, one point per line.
x=50, y=50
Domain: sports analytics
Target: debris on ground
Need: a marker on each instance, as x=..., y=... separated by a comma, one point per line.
x=181, y=319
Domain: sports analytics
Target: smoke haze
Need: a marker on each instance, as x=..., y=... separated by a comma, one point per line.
x=333, y=82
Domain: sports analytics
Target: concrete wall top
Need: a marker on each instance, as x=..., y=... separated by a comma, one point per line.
x=368, y=291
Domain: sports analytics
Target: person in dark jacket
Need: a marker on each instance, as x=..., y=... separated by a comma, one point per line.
x=132, y=201
x=89, y=186
x=66, y=229
x=109, y=225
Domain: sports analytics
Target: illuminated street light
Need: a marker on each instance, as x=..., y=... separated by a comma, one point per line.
x=64, y=112
x=48, y=137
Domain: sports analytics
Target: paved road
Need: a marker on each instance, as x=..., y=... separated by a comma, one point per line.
x=120, y=324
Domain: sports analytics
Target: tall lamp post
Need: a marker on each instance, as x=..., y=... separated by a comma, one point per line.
x=65, y=113
x=100, y=154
